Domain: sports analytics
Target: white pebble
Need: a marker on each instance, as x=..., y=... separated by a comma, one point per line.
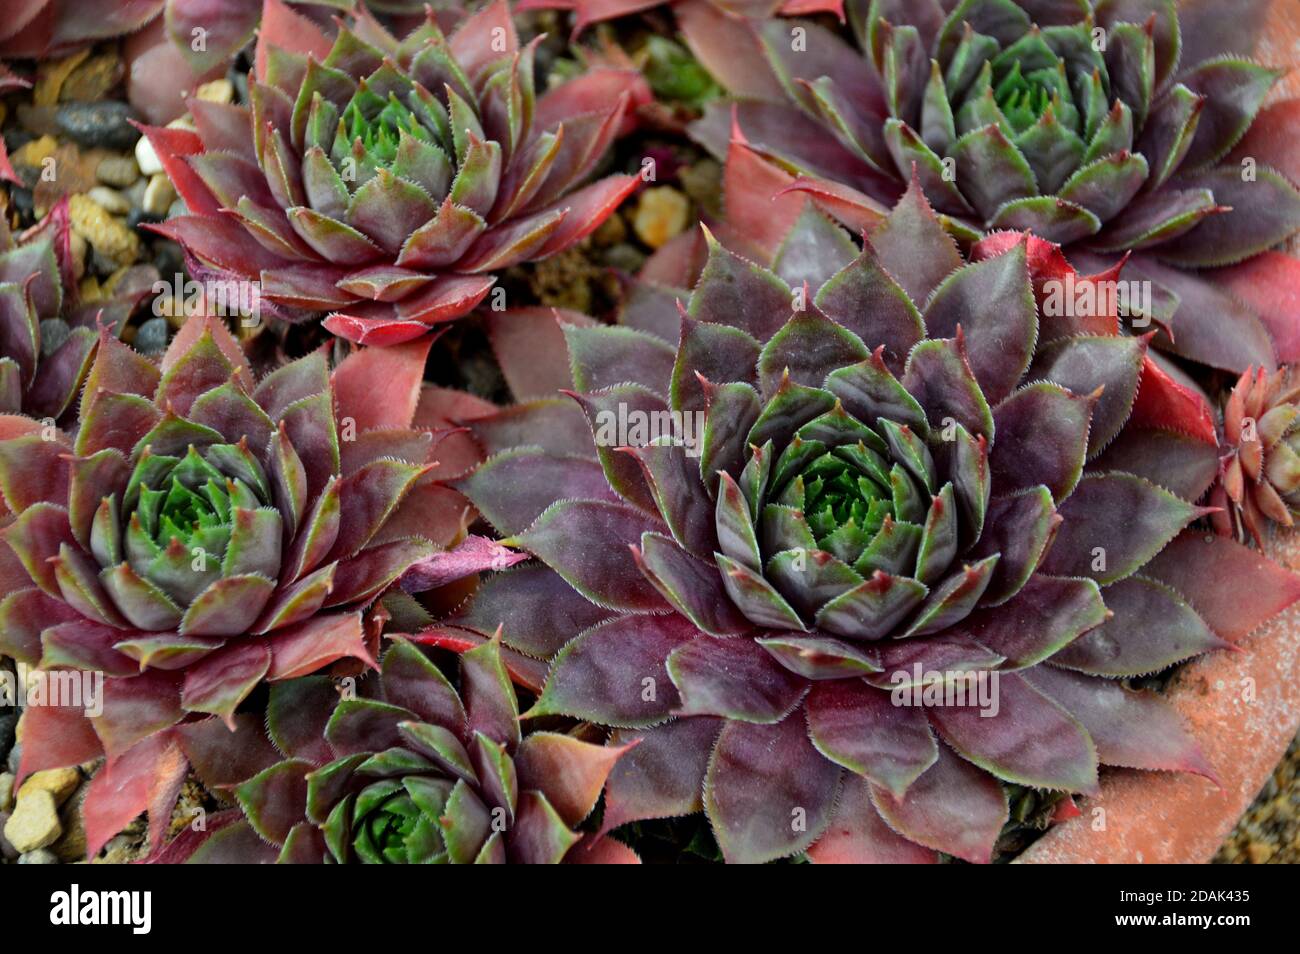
x=160, y=194
x=146, y=158
x=110, y=200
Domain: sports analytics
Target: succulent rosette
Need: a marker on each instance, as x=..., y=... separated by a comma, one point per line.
x=1260, y=467
x=902, y=477
x=47, y=335
x=385, y=181
x=409, y=770
x=198, y=533
x=1106, y=126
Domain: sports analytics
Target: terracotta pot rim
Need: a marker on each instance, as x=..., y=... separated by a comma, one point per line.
x=1178, y=818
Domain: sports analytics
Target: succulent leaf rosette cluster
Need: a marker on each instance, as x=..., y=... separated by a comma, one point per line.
x=47, y=335
x=1106, y=126
x=904, y=475
x=198, y=533
x=412, y=770
x=386, y=181
x=1260, y=479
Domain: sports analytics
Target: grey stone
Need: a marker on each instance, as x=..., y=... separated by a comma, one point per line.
x=41, y=856
x=103, y=124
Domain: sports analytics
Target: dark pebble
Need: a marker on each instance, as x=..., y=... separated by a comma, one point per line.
x=168, y=258
x=103, y=124
x=21, y=200
x=137, y=217
x=101, y=265
x=15, y=750
x=16, y=137
x=151, y=338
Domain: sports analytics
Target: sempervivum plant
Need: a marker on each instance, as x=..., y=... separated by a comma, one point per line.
x=385, y=181
x=198, y=533
x=1104, y=124
x=409, y=770
x=905, y=479
x=47, y=336
x=1260, y=479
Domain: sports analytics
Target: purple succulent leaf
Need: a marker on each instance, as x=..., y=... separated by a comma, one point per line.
x=733, y=678
x=819, y=657
x=663, y=774
x=136, y=707
x=1150, y=627
x=733, y=411
x=679, y=494
x=858, y=835
x=1113, y=524
x=491, y=708
x=1157, y=217
x=557, y=424
x=1045, y=619
x=786, y=410
x=1082, y=365
x=513, y=488
x=732, y=291
x=864, y=298
x=692, y=586
x=953, y=807
x=1105, y=186
x=619, y=416
x=363, y=726
x=715, y=351
x=872, y=609
x=993, y=302
x=1233, y=89
x=79, y=643
x=587, y=543
x=1110, y=713
x=221, y=757
x=761, y=778
x=953, y=600
x=1210, y=324
x=615, y=674
x=1042, y=438
x=537, y=611
x=805, y=350
x=1256, y=216
x=1050, y=217
x=1031, y=740
x=296, y=715
x=755, y=597
x=1169, y=133
x=939, y=376
x=219, y=682
x=412, y=682
x=24, y=614
x=869, y=391
x=813, y=251
x=1182, y=465
x=859, y=727
x=275, y=799
x=913, y=158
